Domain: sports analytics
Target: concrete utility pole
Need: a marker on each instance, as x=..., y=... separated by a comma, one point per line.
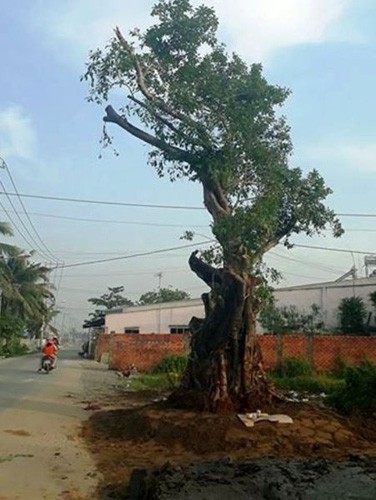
x=159, y=276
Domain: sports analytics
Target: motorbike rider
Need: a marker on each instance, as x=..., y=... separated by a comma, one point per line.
x=49, y=350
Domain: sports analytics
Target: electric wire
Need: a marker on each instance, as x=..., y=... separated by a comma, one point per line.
x=142, y=205
x=104, y=202
x=35, y=244
x=115, y=221
x=131, y=256
x=26, y=213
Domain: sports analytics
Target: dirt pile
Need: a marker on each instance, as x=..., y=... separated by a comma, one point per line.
x=269, y=479
x=148, y=437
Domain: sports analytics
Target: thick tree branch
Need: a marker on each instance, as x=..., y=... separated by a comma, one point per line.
x=173, y=152
x=209, y=274
x=216, y=204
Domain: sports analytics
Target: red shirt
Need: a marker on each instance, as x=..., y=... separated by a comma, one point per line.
x=49, y=350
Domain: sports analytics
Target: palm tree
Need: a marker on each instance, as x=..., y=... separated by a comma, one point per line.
x=25, y=289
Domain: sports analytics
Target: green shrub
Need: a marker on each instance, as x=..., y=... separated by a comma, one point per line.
x=352, y=315
x=172, y=364
x=358, y=391
x=289, y=319
x=293, y=367
x=340, y=367
x=13, y=348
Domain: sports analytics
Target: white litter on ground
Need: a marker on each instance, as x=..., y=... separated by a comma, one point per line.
x=250, y=419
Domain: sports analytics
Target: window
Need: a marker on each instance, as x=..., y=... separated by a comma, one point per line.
x=131, y=329
x=179, y=329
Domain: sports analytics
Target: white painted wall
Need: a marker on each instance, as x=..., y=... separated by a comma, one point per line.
x=159, y=318
x=154, y=319
x=326, y=295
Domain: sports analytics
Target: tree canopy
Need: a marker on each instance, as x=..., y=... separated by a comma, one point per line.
x=162, y=295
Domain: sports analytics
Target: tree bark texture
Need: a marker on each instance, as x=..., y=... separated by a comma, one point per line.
x=225, y=371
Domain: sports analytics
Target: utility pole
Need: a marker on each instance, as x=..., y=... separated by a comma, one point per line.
x=159, y=276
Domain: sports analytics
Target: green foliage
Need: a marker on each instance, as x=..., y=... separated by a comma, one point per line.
x=340, y=367
x=210, y=117
x=112, y=299
x=173, y=367
x=150, y=382
x=358, y=391
x=315, y=384
x=163, y=295
x=172, y=364
x=372, y=297
x=279, y=320
x=11, y=330
x=294, y=367
x=352, y=312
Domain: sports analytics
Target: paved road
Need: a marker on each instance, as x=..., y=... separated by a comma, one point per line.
x=41, y=454
x=19, y=377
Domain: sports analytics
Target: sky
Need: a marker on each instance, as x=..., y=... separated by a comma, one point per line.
x=323, y=50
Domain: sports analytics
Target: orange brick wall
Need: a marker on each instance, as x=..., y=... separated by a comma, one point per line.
x=147, y=350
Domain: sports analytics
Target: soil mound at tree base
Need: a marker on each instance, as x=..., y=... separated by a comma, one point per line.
x=150, y=436
x=259, y=479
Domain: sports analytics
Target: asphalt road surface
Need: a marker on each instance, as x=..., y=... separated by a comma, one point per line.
x=19, y=377
x=41, y=454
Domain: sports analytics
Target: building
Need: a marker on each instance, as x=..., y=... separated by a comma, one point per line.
x=168, y=317
x=174, y=317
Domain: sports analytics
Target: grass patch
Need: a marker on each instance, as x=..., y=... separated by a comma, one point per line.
x=315, y=384
x=151, y=382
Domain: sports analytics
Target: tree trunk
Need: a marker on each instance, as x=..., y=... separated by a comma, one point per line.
x=225, y=371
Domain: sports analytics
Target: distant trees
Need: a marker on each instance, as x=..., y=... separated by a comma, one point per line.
x=115, y=298
x=163, y=295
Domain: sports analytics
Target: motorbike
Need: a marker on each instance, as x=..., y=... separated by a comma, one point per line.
x=47, y=364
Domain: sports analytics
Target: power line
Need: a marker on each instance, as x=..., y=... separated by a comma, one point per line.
x=330, y=249
x=143, y=254
x=115, y=221
x=307, y=262
x=31, y=245
x=157, y=224
x=4, y=163
x=143, y=205
x=104, y=202
x=15, y=226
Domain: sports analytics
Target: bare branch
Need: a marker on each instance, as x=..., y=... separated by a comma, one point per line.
x=159, y=103
x=142, y=84
x=174, y=153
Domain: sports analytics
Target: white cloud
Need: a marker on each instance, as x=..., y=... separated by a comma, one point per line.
x=255, y=28
x=17, y=135
x=360, y=156
x=260, y=27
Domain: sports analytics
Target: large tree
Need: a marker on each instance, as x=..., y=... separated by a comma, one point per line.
x=113, y=298
x=210, y=117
